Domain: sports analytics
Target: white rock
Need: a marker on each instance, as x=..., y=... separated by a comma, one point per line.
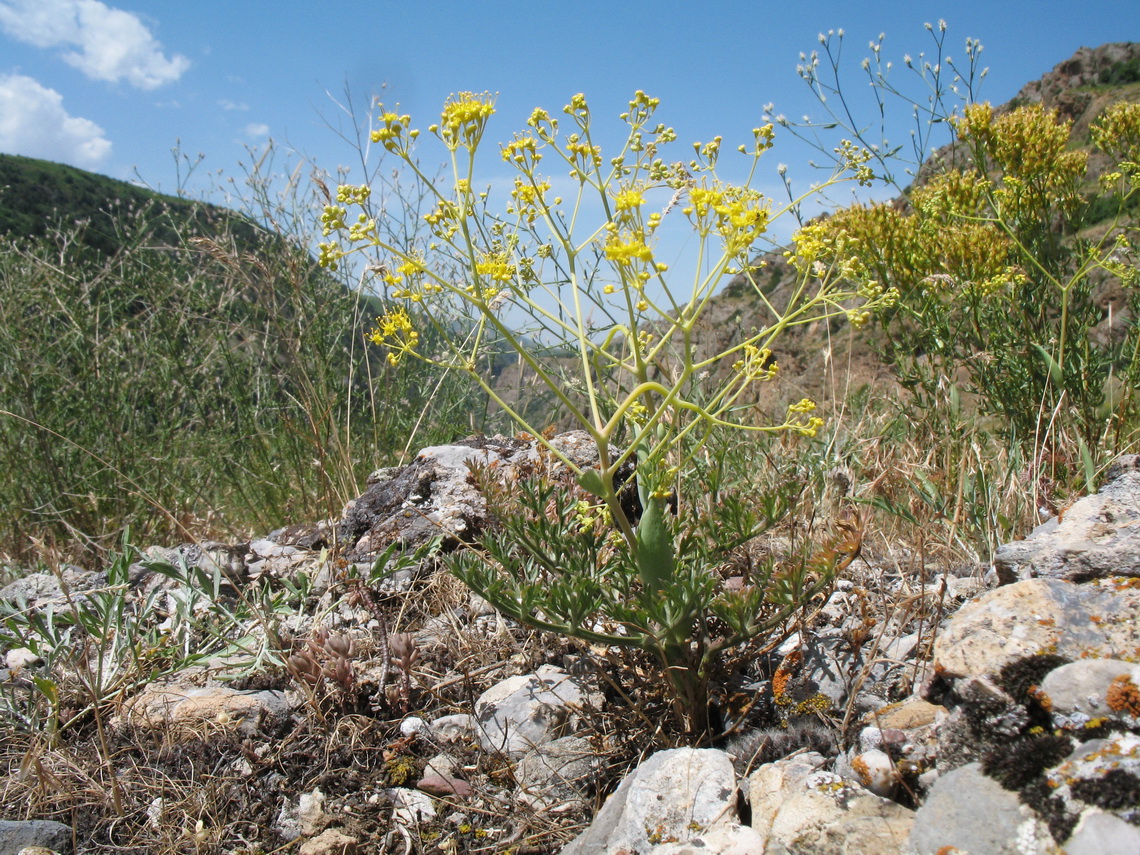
x=725, y=840
x=876, y=772
x=413, y=725
x=21, y=657
x=559, y=774
x=412, y=806
x=528, y=710
x=675, y=796
x=798, y=808
x=1100, y=833
x=454, y=728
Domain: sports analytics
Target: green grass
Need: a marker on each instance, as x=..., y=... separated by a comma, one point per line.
x=187, y=381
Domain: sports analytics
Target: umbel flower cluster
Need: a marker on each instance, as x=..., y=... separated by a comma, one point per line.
x=578, y=272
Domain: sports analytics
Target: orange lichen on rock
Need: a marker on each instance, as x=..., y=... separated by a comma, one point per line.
x=1124, y=696
x=1041, y=697
x=784, y=673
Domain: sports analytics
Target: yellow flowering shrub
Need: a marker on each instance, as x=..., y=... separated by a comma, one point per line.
x=584, y=277
x=990, y=270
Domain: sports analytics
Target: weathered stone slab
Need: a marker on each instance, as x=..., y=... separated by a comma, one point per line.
x=1097, y=536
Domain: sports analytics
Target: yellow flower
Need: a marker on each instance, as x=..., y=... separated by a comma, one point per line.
x=522, y=151
x=629, y=199
x=583, y=154
x=625, y=253
x=394, y=134
x=464, y=118
x=394, y=331
x=496, y=267
x=758, y=363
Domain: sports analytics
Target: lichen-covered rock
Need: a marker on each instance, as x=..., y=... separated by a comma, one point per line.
x=797, y=807
x=433, y=496
x=1065, y=619
x=39, y=589
x=1102, y=773
x=1097, y=536
x=1088, y=689
x=675, y=796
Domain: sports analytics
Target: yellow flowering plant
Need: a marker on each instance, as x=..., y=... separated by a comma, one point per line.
x=580, y=272
x=1010, y=261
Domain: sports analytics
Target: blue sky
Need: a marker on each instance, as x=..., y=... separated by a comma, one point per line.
x=114, y=86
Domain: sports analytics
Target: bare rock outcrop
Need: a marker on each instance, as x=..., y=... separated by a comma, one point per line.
x=1095, y=537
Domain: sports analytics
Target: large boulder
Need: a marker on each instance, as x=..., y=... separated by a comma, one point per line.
x=1096, y=536
x=1039, y=616
x=433, y=496
x=797, y=806
x=967, y=811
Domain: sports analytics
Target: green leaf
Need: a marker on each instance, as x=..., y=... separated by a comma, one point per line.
x=1087, y=465
x=591, y=481
x=1055, y=373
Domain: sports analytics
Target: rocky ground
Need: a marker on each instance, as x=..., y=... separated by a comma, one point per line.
x=970, y=709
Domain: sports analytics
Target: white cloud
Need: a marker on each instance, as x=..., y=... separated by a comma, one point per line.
x=227, y=104
x=34, y=123
x=257, y=129
x=104, y=43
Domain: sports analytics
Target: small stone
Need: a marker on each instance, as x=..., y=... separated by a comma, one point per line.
x=528, y=710
x=443, y=785
x=311, y=811
x=330, y=842
x=559, y=774
x=21, y=657
x=876, y=772
x=413, y=725
x=454, y=728
x=412, y=806
x=443, y=765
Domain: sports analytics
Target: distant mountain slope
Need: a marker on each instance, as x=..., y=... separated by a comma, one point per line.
x=37, y=196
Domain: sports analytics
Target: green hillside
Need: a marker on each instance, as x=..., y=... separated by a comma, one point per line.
x=38, y=196
x=178, y=368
